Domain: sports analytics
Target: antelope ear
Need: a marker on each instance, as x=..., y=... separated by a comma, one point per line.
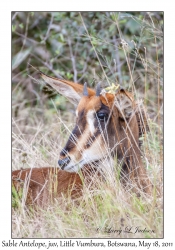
x=124, y=103
x=71, y=90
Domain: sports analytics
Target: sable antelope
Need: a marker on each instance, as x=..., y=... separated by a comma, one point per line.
x=107, y=125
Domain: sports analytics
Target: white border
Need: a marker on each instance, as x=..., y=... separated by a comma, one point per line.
x=5, y=95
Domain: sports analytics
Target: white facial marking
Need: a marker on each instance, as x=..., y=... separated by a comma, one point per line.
x=95, y=152
x=76, y=113
x=90, y=120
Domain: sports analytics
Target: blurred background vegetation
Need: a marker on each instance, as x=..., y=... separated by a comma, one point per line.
x=119, y=47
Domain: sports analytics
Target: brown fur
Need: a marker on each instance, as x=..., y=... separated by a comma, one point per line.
x=124, y=128
x=132, y=168
x=45, y=184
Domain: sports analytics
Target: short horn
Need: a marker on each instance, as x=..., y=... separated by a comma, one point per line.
x=98, y=89
x=85, y=91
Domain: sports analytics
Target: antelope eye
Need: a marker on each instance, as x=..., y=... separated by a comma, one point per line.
x=102, y=116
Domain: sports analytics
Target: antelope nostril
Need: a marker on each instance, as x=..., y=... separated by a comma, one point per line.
x=63, y=162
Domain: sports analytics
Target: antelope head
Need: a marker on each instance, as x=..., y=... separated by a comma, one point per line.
x=105, y=124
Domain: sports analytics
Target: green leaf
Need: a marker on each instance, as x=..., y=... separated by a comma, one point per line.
x=69, y=75
x=114, y=16
x=62, y=38
x=57, y=51
x=19, y=58
x=21, y=25
x=133, y=26
x=13, y=28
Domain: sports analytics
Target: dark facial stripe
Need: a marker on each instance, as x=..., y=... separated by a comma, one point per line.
x=76, y=133
x=72, y=141
x=79, y=130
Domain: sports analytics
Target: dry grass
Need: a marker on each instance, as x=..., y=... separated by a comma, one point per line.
x=37, y=140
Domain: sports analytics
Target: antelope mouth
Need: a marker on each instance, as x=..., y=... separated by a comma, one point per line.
x=69, y=166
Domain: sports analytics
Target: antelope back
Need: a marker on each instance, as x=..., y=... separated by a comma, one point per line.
x=40, y=185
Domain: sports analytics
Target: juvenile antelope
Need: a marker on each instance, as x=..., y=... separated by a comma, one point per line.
x=107, y=125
